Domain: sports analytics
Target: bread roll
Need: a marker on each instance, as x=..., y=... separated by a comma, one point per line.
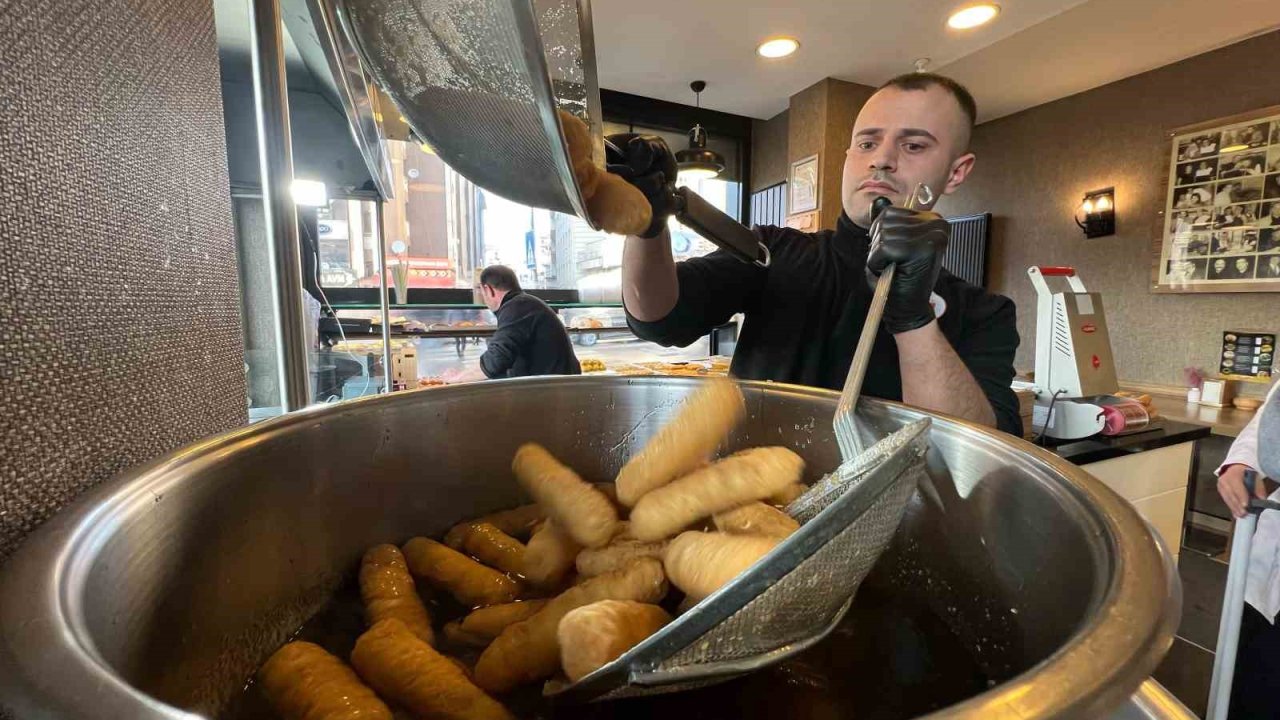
x=416, y=677
x=529, y=651
x=594, y=635
x=686, y=442
x=700, y=563
x=471, y=583
x=549, y=556
x=577, y=507
x=756, y=519
x=303, y=682
x=493, y=547
x=387, y=589
x=736, y=480
x=517, y=522
x=615, y=555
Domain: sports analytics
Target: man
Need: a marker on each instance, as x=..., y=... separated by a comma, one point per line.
x=1271, y=216
x=530, y=339
x=804, y=312
x=1218, y=272
x=1271, y=269
x=1244, y=268
x=1257, y=668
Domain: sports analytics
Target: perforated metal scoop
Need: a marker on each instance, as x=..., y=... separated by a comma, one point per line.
x=789, y=600
x=481, y=80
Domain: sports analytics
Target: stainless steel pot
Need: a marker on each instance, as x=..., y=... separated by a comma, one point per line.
x=1017, y=586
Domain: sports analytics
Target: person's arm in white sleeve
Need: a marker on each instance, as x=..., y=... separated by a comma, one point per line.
x=1242, y=456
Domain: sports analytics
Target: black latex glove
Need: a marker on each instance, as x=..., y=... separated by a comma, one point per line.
x=915, y=240
x=648, y=163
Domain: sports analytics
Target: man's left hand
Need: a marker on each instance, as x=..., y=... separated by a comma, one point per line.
x=915, y=240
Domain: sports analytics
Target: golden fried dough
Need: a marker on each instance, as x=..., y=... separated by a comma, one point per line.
x=756, y=518
x=619, y=207
x=596, y=634
x=517, y=522
x=788, y=494
x=549, y=556
x=413, y=675
x=577, y=507
x=303, y=682
x=745, y=476
x=528, y=651
x=471, y=583
x=700, y=563
x=615, y=555
x=686, y=442
x=387, y=589
x=493, y=547
x=489, y=622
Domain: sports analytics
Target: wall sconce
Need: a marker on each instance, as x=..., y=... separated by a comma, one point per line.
x=1099, y=210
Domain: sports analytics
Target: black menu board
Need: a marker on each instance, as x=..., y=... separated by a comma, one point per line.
x=1247, y=355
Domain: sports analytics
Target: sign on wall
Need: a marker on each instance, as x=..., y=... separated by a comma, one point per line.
x=1220, y=229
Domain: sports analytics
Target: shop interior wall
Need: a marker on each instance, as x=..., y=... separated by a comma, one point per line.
x=121, y=338
x=1034, y=167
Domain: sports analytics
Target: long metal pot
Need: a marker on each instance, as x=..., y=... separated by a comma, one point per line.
x=164, y=588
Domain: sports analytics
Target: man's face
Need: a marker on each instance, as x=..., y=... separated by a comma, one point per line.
x=1219, y=265
x=1275, y=210
x=902, y=138
x=490, y=297
x=1242, y=265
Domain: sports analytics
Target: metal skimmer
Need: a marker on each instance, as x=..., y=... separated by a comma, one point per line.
x=789, y=600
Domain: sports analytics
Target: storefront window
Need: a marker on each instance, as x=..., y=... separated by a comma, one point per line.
x=445, y=229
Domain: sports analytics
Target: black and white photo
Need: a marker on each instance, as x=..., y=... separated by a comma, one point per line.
x=1242, y=164
x=1237, y=191
x=1269, y=267
x=1272, y=189
x=1198, y=146
x=1269, y=240
x=1190, y=245
x=1193, y=197
x=1235, y=216
x=1250, y=136
x=1186, y=270
x=1268, y=214
x=1197, y=171
x=1231, y=268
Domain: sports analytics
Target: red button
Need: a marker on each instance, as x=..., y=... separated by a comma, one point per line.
x=1097, y=362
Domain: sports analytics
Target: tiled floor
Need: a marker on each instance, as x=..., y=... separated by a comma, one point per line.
x=1187, y=669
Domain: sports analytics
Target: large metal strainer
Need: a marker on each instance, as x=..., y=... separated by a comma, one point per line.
x=481, y=81
x=789, y=600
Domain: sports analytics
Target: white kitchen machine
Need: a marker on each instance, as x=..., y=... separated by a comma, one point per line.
x=1075, y=376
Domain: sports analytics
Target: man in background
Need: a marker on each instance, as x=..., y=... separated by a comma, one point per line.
x=530, y=339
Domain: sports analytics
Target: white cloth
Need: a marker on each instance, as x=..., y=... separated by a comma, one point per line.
x=1262, y=588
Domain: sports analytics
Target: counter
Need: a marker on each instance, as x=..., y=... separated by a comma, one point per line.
x=1151, y=470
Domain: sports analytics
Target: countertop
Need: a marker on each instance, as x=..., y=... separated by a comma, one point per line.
x=1096, y=449
x=1227, y=421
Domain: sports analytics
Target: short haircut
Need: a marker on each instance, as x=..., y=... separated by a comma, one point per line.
x=925, y=80
x=500, y=277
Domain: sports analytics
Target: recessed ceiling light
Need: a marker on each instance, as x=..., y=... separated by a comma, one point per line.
x=778, y=47
x=973, y=16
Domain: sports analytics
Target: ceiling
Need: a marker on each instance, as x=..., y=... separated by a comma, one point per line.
x=1034, y=52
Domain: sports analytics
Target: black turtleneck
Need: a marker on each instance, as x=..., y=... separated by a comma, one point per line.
x=804, y=313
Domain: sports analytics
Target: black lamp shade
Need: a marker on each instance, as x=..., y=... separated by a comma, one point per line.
x=697, y=159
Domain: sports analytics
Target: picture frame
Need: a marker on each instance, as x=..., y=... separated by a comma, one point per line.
x=1219, y=226
x=805, y=185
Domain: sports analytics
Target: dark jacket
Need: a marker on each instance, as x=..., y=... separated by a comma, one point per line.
x=804, y=313
x=530, y=340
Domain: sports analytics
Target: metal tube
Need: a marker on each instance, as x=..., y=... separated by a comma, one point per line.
x=275, y=161
x=1224, y=659
x=384, y=303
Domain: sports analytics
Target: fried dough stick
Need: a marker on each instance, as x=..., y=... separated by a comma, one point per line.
x=304, y=682
x=594, y=635
x=387, y=589
x=471, y=583
x=578, y=507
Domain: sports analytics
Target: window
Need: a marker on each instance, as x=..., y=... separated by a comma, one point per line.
x=445, y=229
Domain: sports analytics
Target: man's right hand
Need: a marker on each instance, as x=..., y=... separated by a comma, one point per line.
x=1234, y=493
x=646, y=162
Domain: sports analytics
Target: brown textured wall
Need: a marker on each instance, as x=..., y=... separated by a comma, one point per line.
x=769, y=164
x=844, y=100
x=1033, y=168
x=118, y=286
x=821, y=121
